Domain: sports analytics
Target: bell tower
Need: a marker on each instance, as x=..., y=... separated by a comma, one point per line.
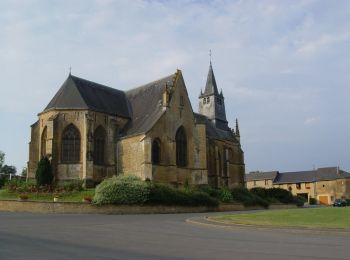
x=211, y=103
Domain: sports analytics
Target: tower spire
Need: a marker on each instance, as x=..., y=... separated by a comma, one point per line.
x=210, y=86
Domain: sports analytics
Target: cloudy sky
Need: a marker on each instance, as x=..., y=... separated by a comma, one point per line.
x=283, y=66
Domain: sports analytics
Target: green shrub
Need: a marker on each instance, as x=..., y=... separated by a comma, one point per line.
x=122, y=190
x=282, y=195
x=299, y=201
x=242, y=195
x=212, y=192
x=225, y=195
x=3, y=180
x=72, y=185
x=348, y=202
x=165, y=195
x=44, y=174
x=312, y=201
x=261, y=192
x=19, y=185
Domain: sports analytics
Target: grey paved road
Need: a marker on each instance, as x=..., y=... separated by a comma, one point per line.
x=30, y=236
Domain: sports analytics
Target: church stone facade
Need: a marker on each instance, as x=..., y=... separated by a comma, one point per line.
x=91, y=132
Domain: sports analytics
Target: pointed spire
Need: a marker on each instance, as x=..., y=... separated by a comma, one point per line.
x=237, y=128
x=211, y=87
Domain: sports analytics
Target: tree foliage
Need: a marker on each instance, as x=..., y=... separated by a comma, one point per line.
x=8, y=169
x=43, y=173
x=2, y=159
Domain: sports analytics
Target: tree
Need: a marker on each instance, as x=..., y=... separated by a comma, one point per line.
x=2, y=159
x=8, y=169
x=24, y=172
x=43, y=173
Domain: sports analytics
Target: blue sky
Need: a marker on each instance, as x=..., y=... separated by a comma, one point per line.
x=283, y=66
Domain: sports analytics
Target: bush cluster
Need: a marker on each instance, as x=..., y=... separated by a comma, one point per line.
x=30, y=186
x=247, y=198
x=313, y=201
x=166, y=195
x=122, y=190
x=348, y=202
x=132, y=190
x=282, y=195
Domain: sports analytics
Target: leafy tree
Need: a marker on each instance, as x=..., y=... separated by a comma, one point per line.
x=43, y=173
x=24, y=172
x=2, y=159
x=8, y=169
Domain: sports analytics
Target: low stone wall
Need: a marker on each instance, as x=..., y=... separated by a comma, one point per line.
x=85, y=208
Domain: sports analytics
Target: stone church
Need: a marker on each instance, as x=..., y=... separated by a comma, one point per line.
x=91, y=131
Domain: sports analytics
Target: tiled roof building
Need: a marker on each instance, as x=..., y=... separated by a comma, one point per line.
x=91, y=131
x=323, y=184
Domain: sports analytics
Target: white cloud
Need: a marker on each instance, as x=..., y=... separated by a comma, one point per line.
x=312, y=120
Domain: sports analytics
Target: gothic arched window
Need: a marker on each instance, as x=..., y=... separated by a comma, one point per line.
x=156, y=151
x=71, y=144
x=43, y=142
x=99, y=145
x=181, y=147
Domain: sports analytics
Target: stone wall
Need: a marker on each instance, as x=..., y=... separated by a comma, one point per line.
x=84, y=208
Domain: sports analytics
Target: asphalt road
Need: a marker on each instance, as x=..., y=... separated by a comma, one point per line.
x=30, y=236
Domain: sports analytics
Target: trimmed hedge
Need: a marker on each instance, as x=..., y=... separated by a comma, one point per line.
x=122, y=190
x=243, y=195
x=282, y=195
x=166, y=195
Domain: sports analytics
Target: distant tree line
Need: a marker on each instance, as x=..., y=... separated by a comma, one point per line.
x=4, y=168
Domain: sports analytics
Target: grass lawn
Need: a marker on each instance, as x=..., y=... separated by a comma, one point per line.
x=74, y=196
x=327, y=217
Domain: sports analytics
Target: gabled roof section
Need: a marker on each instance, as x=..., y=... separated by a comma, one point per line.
x=78, y=93
x=211, y=87
x=331, y=173
x=321, y=174
x=257, y=176
x=146, y=105
x=296, y=177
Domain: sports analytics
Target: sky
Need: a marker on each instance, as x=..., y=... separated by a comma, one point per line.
x=283, y=67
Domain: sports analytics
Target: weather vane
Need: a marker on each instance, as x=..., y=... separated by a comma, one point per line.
x=70, y=70
x=210, y=55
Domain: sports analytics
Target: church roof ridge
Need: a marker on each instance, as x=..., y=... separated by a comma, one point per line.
x=79, y=93
x=149, y=84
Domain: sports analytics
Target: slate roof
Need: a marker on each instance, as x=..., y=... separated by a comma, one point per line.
x=321, y=174
x=295, y=177
x=212, y=131
x=78, y=93
x=146, y=105
x=210, y=87
x=257, y=176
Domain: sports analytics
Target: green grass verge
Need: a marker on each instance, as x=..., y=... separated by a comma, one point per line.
x=304, y=218
x=74, y=196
